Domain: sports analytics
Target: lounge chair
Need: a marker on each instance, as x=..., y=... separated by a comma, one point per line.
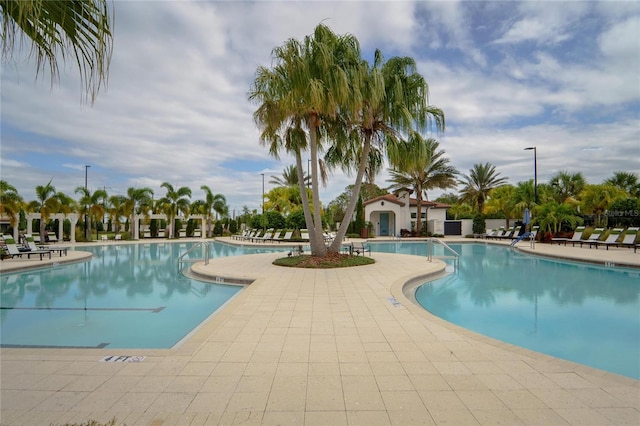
x=51, y=238
x=499, y=233
x=630, y=237
x=161, y=233
x=286, y=237
x=577, y=236
x=13, y=250
x=304, y=235
x=512, y=233
x=118, y=237
x=595, y=236
x=267, y=236
x=362, y=248
x=33, y=247
x=104, y=238
x=612, y=239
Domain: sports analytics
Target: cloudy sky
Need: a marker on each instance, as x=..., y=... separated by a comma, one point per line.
x=561, y=76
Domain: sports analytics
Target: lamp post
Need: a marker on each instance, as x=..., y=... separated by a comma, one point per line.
x=262, y=193
x=86, y=168
x=535, y=172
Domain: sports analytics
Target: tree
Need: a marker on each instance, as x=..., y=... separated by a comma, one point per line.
x=390, y=98
x=92, y=205
x=173, y=202
x=421, y=166
x=566, y=185
x=596, y=199
x=308, y=84
x=116, y=210
x=502, y=200
x=478, y=184
x=338, y=206
x=10, y=202
x=46, y=204
x=289, y=177
x=213, y=202
x=626, y=181
x=57, y=29
x=138, y=200
x=551, y=215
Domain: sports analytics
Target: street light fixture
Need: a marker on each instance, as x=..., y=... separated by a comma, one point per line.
x=86, y=168
x=535, y=172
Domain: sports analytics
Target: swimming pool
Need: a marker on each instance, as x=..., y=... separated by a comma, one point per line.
x=126, y=296
x=576, y=311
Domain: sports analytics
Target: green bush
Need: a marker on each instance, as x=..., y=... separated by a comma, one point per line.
x=479, y=225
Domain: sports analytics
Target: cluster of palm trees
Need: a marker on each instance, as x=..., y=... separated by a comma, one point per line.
x=321, y=96
x=94, y=205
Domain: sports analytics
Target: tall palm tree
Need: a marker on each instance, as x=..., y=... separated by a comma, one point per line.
x=213, y=202
x=392, y=99
x=137, y=200
x=308, y=84
x=627, y=181
x=10, y=202
x=46, y=204
x=421, y=166
x=92, y=205
x=481, y=180
x=567, y=185
x=57, y=29
x=174, y=201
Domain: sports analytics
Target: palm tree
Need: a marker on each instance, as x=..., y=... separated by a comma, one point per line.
x=392, y=99
x=10, y=202
x=289, y=177
x=502, y=199
x=308, y=84
x=567, y=185
x=481, y=180
x=552, y=214
x=596, y=199
x=137, y=200
x=46, y=204
x=213, y=202
x=627, y=181
x=419, y=165
x=116, y=210
x=92, y=205
x=57, y=29
x=174, y=201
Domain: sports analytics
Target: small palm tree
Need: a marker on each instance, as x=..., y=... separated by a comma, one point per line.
x=567, y=185
x=92, y=205
x=289, y=177
x=10, y=202
x=174, y=201
x=421, y=166
x=551, y=215
x=116, y=210
x=138, y=200
x=478, y=184
x=213, y=202
x=46, y=204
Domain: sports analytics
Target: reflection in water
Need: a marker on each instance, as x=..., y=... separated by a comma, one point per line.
x=580, y=312
x=129, y=295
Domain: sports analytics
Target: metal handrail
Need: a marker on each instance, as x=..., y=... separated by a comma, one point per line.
x=454, y=254
x=195, y=246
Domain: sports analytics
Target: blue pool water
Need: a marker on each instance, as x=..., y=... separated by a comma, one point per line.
x=575, y=311
x=126, y=296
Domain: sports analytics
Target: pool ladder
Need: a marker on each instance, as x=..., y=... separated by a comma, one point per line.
x=453, y=254
x=200, y=244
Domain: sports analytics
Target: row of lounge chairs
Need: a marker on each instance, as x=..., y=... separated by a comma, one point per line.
x=511, y=233
x=28, y=247
x=268, y=235
x=618, y=237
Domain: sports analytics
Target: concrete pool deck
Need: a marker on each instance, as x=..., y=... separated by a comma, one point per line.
x=320, y=347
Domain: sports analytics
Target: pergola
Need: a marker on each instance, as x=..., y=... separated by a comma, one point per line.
x=138, y=217
x=73, y=218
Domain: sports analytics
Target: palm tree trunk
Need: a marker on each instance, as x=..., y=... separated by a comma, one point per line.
x=305, y=200
x=419, y=215
x=337, y=242
x=316, y=240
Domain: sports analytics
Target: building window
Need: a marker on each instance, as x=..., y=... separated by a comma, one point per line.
x=414, y=215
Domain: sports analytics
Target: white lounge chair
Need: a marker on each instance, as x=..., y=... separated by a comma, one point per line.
x=577, y=236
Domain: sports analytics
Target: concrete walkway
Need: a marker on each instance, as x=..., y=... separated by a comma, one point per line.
x=321, y=347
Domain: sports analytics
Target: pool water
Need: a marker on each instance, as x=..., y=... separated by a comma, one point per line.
x=126, y=296
x=576, y=311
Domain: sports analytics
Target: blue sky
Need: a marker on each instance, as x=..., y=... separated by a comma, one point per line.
x=561, y=76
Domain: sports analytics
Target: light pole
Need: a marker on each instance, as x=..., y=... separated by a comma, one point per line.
x=262, y=193
x=86, y=168
x=535, y=172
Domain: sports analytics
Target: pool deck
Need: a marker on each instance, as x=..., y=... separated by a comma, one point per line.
x=320, y=347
